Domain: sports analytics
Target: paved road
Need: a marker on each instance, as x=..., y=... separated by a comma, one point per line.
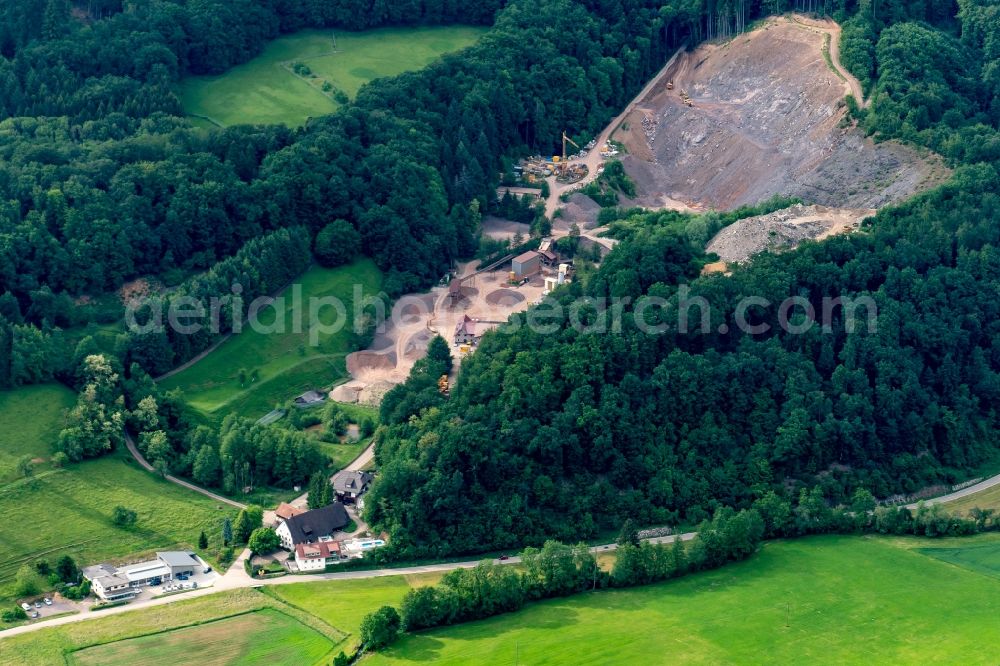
x=959, y=494
x=237, y=577
x=130, y=444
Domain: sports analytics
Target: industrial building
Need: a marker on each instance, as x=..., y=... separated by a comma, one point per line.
x=468, y=331
x=562, y=277
x=526, y=265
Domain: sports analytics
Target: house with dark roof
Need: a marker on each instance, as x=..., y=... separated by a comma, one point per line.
x=313, y=526
x=349, y=485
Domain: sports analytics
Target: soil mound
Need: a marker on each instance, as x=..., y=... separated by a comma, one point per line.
x=582, y=210
x=360, y=362
x=504, y=297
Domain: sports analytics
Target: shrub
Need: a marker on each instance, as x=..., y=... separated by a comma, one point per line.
x=263, y=540
x=123, y=517
x=380, y=628
x=14, y=614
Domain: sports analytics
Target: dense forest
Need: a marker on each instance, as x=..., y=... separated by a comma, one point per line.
x=102, y=181
x=567, y=434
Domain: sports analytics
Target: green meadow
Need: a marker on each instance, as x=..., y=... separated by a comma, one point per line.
x=235, y=640
x=326, y=600
x=981, y=557
x=830, y=600
x=265, y=90
x=253, y=371
x=68, y=510
x=30, y=419
x=232, y=627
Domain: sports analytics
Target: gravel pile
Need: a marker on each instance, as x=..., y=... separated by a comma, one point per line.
x=785, y=228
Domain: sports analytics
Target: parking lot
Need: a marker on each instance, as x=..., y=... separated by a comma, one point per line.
x=59, y=606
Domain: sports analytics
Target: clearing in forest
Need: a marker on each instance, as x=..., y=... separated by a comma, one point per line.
x=251, y=372
x=298, y=76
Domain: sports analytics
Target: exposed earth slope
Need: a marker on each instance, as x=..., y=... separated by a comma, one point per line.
x=767, y=118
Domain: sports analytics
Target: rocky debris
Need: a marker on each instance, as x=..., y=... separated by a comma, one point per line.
x=782, y=229
x=347, y=393
x=769, y=119
x=580, y=209
x=371, y=395
x=649, y=125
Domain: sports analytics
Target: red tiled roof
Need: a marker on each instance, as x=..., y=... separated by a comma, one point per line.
x=286, y=511
x=313, y=551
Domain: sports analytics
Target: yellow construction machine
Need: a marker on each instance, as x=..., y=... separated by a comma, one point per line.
x=565, y=140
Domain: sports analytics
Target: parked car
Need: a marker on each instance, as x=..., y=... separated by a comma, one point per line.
x=38, y=604
x=26, y=606
x=34, y=615
x=503, y=557
x=48, y=602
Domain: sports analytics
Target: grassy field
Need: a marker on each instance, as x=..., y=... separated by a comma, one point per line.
x=235, y=640
x=69, y=510
x=984, y=499
x=285, y=362
x=57, y=645
x=30, y=419
x=327, y=600
x=984, y=558
x=265, y=90
x=822, y=600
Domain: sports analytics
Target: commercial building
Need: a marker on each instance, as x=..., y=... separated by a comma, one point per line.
x=112, y=583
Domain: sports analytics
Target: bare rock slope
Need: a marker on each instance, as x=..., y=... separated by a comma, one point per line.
x=766, y=119
x=783, y=229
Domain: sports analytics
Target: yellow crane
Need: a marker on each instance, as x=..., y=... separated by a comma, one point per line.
x=565, y=139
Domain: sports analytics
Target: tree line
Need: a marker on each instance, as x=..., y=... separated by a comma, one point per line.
x=558, y=570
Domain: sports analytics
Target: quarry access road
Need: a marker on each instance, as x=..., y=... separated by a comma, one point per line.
x=594, y=160
x=832, y=28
